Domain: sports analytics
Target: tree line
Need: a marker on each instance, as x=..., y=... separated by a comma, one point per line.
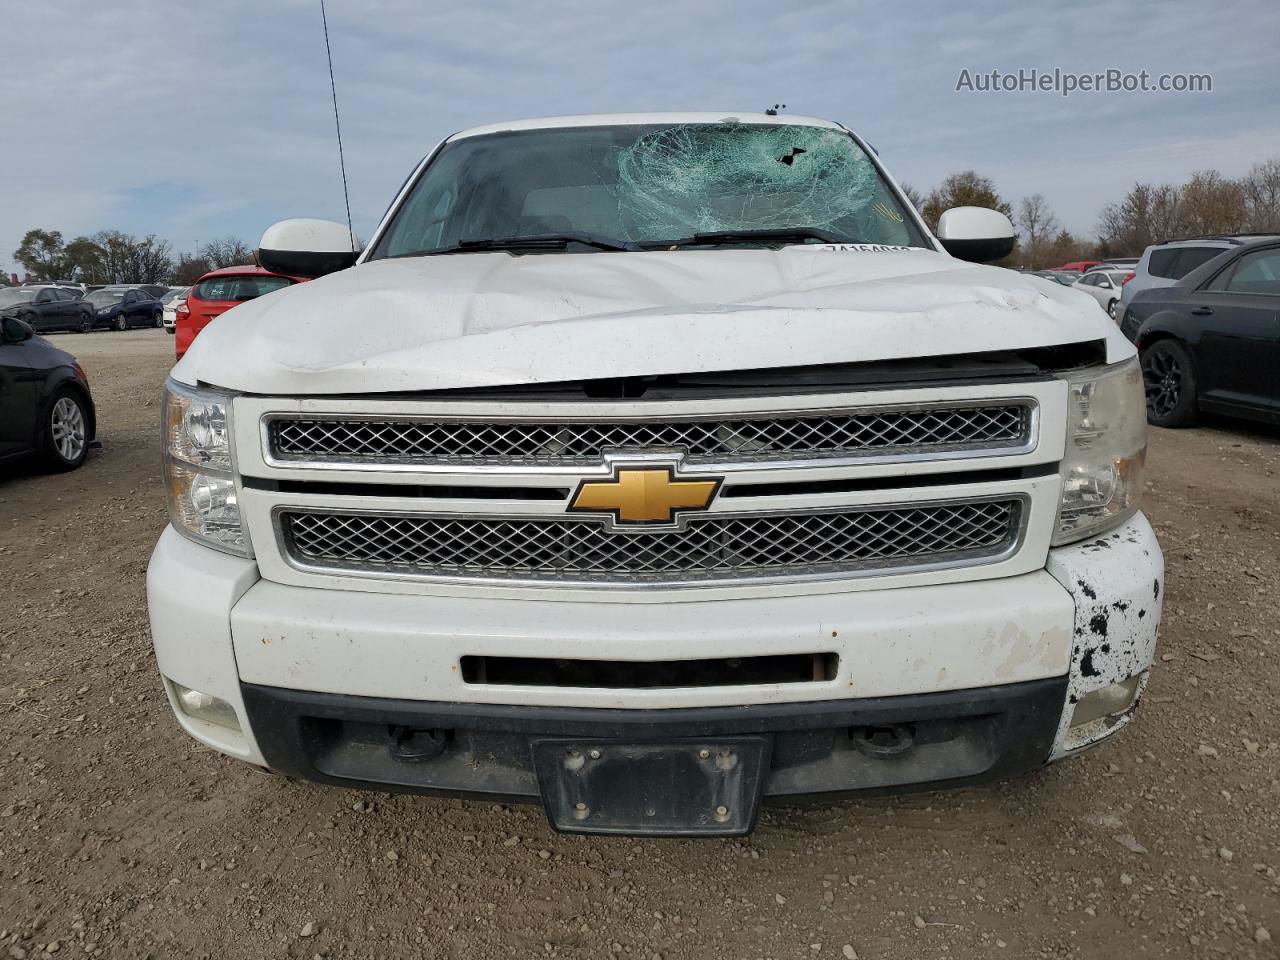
x=1207, y=203
x=110, y=256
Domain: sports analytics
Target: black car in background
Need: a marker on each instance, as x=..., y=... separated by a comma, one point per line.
x=45, y=405
x=48, y=307
x=1212, y=340
x=121, y=307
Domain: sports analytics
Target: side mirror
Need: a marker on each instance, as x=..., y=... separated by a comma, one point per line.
x=307, y=248
x=17, y=331
x=976, y=234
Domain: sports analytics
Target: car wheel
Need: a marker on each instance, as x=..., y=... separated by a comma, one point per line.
x=66, y=431
x=86, y=324
x=157, y=320
x=1111, y=309
x=120, y=323
x=1170, y=384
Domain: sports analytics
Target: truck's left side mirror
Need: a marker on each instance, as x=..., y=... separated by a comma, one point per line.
x=976, y=234
x=307, y=248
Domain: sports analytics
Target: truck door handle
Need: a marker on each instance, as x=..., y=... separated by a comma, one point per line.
x=1202, y=311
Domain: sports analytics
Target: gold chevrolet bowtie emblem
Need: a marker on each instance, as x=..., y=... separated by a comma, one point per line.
x=644, y=495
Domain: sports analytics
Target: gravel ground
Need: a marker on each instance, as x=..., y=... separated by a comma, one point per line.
x=120, y=837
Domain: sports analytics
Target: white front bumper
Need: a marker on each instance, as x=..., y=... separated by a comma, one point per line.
x=1093, y=614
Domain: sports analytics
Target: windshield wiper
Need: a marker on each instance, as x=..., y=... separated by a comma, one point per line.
x=540, y=241
x=779, y=235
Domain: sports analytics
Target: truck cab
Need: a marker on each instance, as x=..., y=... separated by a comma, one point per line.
x=650, y=468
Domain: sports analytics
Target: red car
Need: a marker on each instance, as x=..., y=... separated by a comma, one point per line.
x=217, y=292
x=1080, y=266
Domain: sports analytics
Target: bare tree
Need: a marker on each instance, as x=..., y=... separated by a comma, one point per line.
x=189, y=269
x=115, y=255
x=1262, y=196
x=1213, y=204
x=1039, y=227
x=914, y=196
x=227, y=251
x=150, y=260
x=1145, y=216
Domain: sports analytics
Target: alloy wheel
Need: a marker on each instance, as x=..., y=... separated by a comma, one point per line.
x=1162, y=381
x=67, y=427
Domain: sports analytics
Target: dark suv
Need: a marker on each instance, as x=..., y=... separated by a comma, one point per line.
x=1211, y=341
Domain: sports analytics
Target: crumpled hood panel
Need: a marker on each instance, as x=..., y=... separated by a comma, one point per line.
x=492, y=319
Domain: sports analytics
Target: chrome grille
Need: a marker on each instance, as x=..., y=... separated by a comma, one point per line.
x=740, y=439
x=844, y=541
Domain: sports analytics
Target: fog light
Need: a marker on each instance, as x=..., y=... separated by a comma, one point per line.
x=1110, y=701
x=206, y=707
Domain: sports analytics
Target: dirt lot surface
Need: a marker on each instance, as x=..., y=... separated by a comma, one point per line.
x=120, y=837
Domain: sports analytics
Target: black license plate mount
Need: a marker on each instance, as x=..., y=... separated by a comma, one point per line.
x=679, y=788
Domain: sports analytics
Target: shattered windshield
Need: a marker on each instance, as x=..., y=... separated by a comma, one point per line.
x=649, y=186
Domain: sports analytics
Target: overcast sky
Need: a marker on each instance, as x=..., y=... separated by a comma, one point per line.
x=194, y=121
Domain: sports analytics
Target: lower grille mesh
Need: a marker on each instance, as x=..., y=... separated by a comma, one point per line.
x=708, y=548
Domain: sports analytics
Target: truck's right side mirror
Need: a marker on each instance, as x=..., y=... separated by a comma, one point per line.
x=307, y=248
x=976, y=234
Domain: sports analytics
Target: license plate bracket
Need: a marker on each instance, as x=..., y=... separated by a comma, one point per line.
x=662, y=788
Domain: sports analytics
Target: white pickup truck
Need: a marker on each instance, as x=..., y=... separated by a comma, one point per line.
x=652, y=467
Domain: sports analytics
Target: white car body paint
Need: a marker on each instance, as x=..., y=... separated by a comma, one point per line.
x=1084, y=615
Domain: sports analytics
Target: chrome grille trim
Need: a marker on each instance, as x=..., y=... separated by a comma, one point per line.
x=975, y=428
x=832, y=542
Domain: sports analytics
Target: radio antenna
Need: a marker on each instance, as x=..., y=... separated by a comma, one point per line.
x=342, y=163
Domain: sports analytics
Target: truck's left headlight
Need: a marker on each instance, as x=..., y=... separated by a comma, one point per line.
x=1106, y=448
x=199, y=476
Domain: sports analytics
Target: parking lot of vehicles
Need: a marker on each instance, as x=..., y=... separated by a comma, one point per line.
x=46, y=408
x=1211, y=340
x=47, y=307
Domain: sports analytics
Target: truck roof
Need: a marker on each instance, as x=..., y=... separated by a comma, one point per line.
x=611, y=119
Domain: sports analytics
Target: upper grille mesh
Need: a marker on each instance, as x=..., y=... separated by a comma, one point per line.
x=529, y=443
x=708, y=548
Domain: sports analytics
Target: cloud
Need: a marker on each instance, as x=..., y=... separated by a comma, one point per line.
x=198, y=121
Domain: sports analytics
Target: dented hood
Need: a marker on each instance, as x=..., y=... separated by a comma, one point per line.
x=493, y=319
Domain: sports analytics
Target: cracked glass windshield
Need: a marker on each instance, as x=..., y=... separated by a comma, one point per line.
x=630, y=187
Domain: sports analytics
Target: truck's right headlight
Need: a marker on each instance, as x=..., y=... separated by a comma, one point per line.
x=1106, y=448
x=199, y=478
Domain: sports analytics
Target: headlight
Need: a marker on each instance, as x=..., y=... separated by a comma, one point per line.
x=1106, y=447
x=202, y=495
